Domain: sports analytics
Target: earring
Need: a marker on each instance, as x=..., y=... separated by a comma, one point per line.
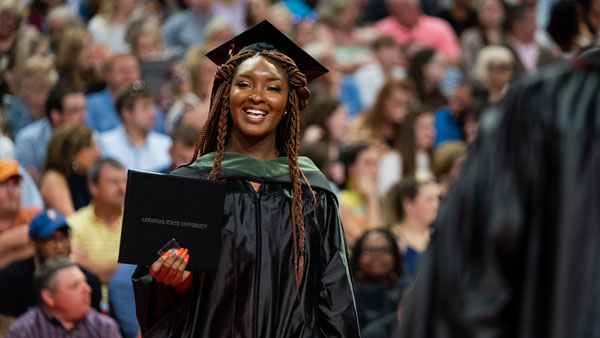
x=285, y=113
x=74, y=166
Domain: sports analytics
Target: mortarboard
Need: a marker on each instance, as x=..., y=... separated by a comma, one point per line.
x=264, y=36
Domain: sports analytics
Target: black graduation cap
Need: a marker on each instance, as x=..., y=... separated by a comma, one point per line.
x=264, y=36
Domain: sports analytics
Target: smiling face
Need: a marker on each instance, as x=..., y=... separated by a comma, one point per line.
x=258, y=100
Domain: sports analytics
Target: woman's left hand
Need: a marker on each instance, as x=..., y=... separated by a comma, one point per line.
x=170, y=269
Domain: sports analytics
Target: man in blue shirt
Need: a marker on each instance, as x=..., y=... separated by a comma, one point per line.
x=121, y=71
x=447, y=119
x=65, y=104
x=186, y=28
x=134, y=144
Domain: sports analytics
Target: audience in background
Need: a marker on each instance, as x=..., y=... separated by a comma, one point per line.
x=49, y=233
x=121, y=301
x=521, y=26
x=411, y=156
x=414, y=205
x=408, y=25
x=376, y=266
x=427, y=69
x=446, y=162
x=96, y=228
x=388, y=64
x=134, y=144
x=71, y=151
x=59, y=20
x=448, y=118
x=494, y=67
x=14, y=218
x=186, y=28
x=360, y=207
x=489, y=31
x=65, y=105
x=460, y=16
x=76, y=62
x=36, y=80
x=64, y=308
x=108, y=26
x=382, y=123
x=183, y=144
x=12, y=13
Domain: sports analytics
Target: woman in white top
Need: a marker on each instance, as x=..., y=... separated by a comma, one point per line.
x=412, y=154
x=109, y=25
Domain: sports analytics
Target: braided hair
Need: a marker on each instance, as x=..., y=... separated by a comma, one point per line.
x=214, y=135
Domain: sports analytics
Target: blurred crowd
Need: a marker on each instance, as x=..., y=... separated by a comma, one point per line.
x=92, y=88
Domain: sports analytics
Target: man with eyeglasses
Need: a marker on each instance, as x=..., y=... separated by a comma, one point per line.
x=49, y=233
x=65, y=104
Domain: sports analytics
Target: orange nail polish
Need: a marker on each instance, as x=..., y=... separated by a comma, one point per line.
x=179, y=252
x=186, y=257
x=185, y=252
x=166, y=255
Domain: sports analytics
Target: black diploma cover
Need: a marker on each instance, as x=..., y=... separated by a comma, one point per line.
x=161, y=207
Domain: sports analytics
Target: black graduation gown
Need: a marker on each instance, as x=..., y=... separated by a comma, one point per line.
x=517, y=247
x=253, y=291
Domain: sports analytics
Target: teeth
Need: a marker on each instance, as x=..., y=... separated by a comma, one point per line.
x=256, y=112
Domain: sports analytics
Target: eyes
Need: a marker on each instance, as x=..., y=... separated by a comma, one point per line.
x=247, y=85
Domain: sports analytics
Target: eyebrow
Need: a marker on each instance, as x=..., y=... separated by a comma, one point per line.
x=246, y=76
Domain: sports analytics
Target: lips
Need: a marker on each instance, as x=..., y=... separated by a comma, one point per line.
x=255, y=115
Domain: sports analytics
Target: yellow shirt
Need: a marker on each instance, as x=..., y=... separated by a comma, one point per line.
x=91, y=233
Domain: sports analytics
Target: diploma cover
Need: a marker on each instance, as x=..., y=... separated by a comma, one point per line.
x=161, y=207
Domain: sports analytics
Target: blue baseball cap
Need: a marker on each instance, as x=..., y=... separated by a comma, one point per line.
x=46, y=222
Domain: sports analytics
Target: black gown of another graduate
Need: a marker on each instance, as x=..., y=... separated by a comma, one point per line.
x=516, y=252
x=253, y=291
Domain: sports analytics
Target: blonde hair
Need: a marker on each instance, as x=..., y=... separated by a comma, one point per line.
x=14, y=7
x=488, y=55
x=40, y=68
x=194, y=58
x=72, y=43
x=328, y=10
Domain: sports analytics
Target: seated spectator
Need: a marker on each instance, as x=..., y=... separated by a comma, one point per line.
x=460, y=16
x=470, y=120
x=382, y=122
x=14, y=218
x=494, y=67
x=38, y=11
x=446, y=162
x=520, y=39
x=338, y=22
x=408, y=25
x=256, y=11
x=318, y=153
x=427, y=69
x=122, y=301
x=373, y=76
x=35, y=82
x=13, y=13
x=134, y=144
x=108, y=26
x=182, y=147
x=71, y=151
x=447, y=119
x=489, y=31
x=121, y=72
x=376, y=266
x=58, y=21
x=96, y=228
x=64, y=309
x=415, y=205
x=49, y=233
x=195, y=102
x=564, y=28
x=186, y=28
x=411, y=156
x=360, y=207
x=76, y=62
x=65, y=105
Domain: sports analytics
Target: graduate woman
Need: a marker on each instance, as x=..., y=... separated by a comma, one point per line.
x=283, y=269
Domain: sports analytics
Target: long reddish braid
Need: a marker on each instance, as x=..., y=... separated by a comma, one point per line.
x=213, y=137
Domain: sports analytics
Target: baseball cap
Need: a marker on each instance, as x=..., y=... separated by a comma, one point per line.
x=8, y=168
x=46, y=222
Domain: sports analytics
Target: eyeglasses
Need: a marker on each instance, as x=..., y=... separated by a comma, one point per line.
x=136, y=88
x=55, y=239
x=501, y=67
x=377, y=251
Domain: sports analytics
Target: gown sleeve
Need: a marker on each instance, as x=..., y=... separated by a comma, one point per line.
x=337, y=310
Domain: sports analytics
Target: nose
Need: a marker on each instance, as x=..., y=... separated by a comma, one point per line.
x=255, y=97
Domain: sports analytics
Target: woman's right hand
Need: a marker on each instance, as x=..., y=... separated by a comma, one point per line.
x=170, y=269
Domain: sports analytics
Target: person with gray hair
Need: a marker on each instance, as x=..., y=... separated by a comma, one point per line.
x=96, y=228
x=494, y=67
x=60, y=19
x=64, y=309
